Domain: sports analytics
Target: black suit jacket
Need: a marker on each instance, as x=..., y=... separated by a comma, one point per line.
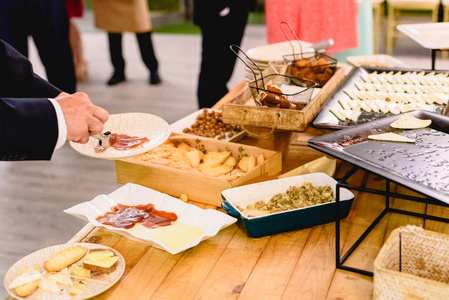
x=28, y=122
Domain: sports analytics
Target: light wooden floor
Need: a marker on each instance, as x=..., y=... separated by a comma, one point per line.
x=34, y=194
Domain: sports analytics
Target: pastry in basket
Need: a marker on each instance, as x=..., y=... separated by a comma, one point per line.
x=319, y=71
x=273, y=97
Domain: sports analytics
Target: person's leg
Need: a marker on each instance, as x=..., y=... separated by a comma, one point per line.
x=78, y=52
x=148, y=55
x=14, y=25
x=117, y=60
x=218, y=61
x=50, y=32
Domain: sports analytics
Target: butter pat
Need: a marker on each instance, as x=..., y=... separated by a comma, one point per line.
x=100, y=255
x=175, y=236
x=107, y=262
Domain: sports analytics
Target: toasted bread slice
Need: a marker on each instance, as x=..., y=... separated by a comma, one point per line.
x=64, y=258
x=101, y=261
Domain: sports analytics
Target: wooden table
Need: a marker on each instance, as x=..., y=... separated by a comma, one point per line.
x=293, y=265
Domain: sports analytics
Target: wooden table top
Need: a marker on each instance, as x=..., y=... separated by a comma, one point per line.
x=293, y=265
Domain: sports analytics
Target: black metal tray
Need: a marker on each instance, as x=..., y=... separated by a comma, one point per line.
x=422, y=166
x=326, y=120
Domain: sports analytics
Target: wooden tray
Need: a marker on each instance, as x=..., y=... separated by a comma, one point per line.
x=242, y=111
x=198, y=187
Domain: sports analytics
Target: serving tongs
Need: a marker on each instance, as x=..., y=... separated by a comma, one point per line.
x=103, y=139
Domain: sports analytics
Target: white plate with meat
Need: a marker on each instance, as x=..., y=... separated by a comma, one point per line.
x=191, y=224
x=138, y=132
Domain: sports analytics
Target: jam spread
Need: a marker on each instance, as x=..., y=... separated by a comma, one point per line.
x=124, y=216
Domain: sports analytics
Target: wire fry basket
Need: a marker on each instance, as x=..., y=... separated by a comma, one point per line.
x=265, y=89
x=314, y=66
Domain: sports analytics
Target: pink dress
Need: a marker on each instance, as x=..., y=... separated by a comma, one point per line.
x=314, y=21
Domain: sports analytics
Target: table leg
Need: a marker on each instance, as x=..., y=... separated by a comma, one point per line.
x=434, y=51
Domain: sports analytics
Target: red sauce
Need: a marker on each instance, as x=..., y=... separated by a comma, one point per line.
x=124, y=216
x=126, y=142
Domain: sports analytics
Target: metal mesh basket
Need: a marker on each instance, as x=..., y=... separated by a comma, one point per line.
x=265, y=89
x=314, y=66
x=266, y=93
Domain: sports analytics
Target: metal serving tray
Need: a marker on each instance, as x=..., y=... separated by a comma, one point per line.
x=326, y=120
x=422, y=166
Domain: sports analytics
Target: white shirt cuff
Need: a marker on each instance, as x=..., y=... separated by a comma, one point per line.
x=62, y=126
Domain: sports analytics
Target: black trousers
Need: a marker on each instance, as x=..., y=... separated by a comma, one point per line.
x=217, y=60
x=146, y=51
x=47, y=22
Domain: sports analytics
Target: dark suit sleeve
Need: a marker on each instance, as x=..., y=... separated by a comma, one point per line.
x=28, y=121
x=17, y=78
x=28, y=129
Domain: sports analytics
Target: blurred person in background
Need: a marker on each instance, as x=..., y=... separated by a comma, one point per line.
x=222, y=23
x=36, y=118
x=47, y=22
x=116, y=17
x=74, y=9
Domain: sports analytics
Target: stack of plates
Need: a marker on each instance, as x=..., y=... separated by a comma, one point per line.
x=263, y=55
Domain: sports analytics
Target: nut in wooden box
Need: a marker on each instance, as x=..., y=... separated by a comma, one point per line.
x=198, y=186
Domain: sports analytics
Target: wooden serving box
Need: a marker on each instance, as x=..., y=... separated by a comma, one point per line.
x=242, y=110
x=198, y=187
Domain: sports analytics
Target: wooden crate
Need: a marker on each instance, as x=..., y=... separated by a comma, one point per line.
x=199, y=187
x=242, y=110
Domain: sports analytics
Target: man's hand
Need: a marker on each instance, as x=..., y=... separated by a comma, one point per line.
x=82, y=117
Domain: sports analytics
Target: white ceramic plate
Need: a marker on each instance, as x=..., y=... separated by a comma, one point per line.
x=38, y=258
x=133, y=124
x=428, y=35
x=251, y=193
x=210, y=221
x=275, y=51
x=377, y=60
x=186, y=122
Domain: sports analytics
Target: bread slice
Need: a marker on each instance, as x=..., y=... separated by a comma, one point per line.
x=64, y=258
x=101, y=261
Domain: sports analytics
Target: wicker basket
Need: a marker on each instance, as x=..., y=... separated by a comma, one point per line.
x=412, y=264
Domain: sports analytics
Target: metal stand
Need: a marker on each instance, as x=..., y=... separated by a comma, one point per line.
x=387, y=193
x=434, y=55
